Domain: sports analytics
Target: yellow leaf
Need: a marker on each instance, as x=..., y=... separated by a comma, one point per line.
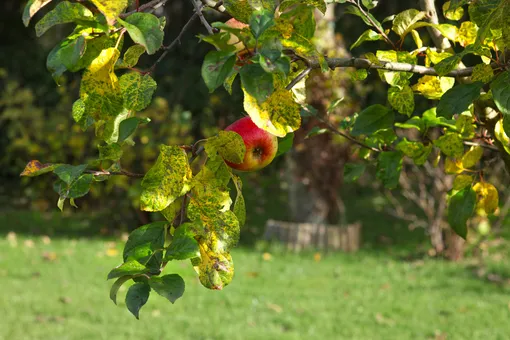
x=317, y=257
x=455, y=14
x=266, y=257
x=467, y=33
x=453, y=166
x=487, y=197
x=278, y=115
x=472, y=157
x=111, y=8
x=501, y=135
x=111, y=252
x=433, y=87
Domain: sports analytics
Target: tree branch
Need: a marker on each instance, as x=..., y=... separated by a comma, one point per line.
x=198, y=10
x=429, y=7
x=114, y=173
x=361, y=63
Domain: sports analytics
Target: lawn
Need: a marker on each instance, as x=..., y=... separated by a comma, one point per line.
x=56, y=288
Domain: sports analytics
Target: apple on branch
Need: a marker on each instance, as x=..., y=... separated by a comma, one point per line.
x=261, y=146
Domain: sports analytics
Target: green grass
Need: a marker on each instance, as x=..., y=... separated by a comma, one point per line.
x=367, y=295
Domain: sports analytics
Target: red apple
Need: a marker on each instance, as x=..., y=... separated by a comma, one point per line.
x=261, y=146
x=234, y=23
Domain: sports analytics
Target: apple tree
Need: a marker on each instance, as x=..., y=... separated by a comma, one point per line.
x=269, y=46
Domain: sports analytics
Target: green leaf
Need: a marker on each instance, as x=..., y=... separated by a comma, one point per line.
x=353, y=171
x=36, y=168
x=285, y=144
x=170, y=286
x=260, y=21
x=131, y=267
x=367, y=17
x=216, y=68
x=65, y=56
x=501, y=92
x=257, y=82
x=457, y=99
x=128, y=126
x=131, y=56
x=69, y=173
x=460, y=208
x=395, y=78
x=319, y=4
x=301, y=17
x=451, y=12
x=116, y=286
x=368, y=35
x=239, y=204
x=167, y=180
x=183, y=246
x=389, y=166
x=404, y=21
x=136, y=297
x=228, y=144
x=145, y=245
x=63, y=13
x=144, y=29
x=450, y=144
x=94, y=45
x=462, y=181
x=80, y=187
x=137, y=90
x=241, y=10
x=373, y=118
x=31, y=8
x=448, y=64
x=112, y=127
x=401, y=99
x=111, y=8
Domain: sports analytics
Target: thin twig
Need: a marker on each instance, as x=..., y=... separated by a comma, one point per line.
x=298, y=78
x=486, y=146
x=195, y=155
x=198, y=9
x=150, y=6
x=114, y=173
x=340, y=133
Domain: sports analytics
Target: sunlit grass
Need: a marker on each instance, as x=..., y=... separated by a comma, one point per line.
x=57, y=289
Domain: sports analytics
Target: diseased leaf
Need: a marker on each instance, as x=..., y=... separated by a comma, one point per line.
x=167, y=180
x=63, y=13
x=462, y=181
x=239, y=204
x=483, y=72
x=170, y=286
x=144, y=29
x=131, y=56
x=137, y=90
x=450, y=144
x=433, y=87
x=111, y=152
x=111, y=8
x=99, y=89
x=215, y=270
x=460, y=208
x=447, y=65
x=36, y=168
x=228, y=144
x=415, y=150
x=137, y=296
x=373, y=118
x=401, y=99
x=278, y=115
